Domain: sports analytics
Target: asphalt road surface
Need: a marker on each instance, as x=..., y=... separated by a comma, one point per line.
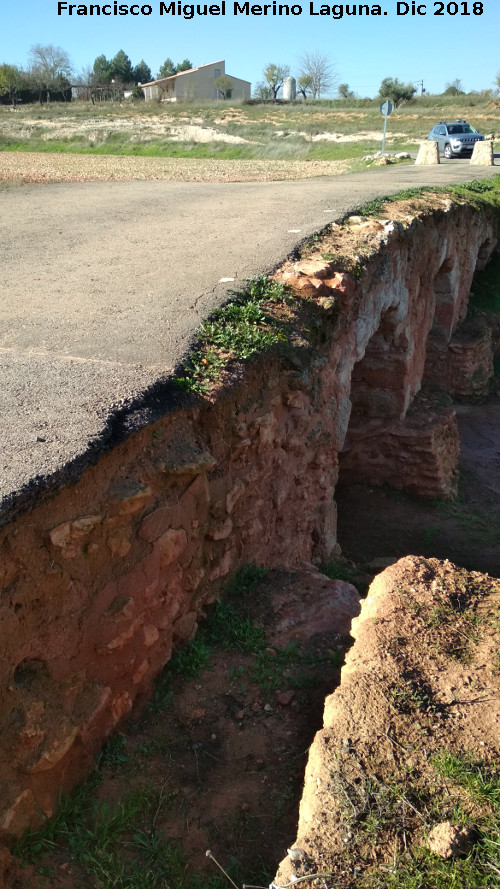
x=103, y=285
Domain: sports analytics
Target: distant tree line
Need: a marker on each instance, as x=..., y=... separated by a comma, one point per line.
x=46, y=79
x=50, y=77
x=315, y=77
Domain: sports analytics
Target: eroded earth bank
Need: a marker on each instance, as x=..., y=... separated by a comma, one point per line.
x=366, y=347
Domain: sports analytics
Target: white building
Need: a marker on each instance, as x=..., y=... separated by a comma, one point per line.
x=195, y=83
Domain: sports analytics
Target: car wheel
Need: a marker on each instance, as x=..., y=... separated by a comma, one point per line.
x=447, y=151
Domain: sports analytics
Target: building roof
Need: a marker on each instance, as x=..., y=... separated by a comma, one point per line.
x=180, y=73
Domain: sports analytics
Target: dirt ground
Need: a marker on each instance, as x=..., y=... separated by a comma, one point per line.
x=226, y=750
x=147, y=128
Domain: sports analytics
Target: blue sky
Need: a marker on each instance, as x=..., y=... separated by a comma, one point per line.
x=362, y=49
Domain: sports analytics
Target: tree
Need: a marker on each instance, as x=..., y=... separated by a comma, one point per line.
x=344, y=91
x=274, y=76
x=101, y=70
x=11, y=81
x=497, y=79
x=84, y=81
x=319, y=69
x=224, y=85
x=142, y=73
x=454, y=88
x=50, y=68
x=392, y=88
x=304, y=85
x=262, y=91
x=121, y=67
x=168, y=69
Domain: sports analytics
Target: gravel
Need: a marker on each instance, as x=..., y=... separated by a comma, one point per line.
x=32, y=167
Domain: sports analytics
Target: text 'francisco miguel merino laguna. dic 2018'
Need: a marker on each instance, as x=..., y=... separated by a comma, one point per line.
x=191, y=10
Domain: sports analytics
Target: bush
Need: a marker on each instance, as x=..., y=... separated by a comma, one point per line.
x=392, y=88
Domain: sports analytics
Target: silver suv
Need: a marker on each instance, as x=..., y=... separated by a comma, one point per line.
x=455, y=137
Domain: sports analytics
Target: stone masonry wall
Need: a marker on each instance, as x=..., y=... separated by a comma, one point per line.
x=102, y=579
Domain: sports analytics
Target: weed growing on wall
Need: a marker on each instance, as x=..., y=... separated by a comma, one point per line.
x=249, y=323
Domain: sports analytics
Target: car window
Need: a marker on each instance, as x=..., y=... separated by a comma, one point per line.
x=459, y=128
x=441, y=131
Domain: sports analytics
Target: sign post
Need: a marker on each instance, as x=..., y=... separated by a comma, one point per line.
x=385, y=109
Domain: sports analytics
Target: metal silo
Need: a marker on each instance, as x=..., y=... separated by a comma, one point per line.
x=289, y=89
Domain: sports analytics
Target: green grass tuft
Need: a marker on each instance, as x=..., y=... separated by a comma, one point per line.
x=230, y=630
x=480, y=779
x=113, y=846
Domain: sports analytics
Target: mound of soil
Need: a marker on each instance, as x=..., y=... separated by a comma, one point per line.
x=418, y=705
